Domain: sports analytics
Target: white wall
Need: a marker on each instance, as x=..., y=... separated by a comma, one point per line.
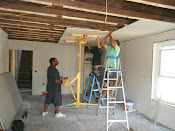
x=67, y=56
x=4, y=53
x=10, y=99
x=138, y=60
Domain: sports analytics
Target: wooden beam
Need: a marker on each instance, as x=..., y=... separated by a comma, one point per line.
x=19, y=30
x=57, y=21
x=50, y=12
x=169, y=4
x=33, y=38
x=30, y=25
x=27, y=28
x=92, y=8
x=33, y=35
x=18, y=38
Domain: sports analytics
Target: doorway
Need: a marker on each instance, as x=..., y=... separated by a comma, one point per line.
x=21, y=66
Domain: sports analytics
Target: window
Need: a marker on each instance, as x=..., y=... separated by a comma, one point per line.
x=163, y=76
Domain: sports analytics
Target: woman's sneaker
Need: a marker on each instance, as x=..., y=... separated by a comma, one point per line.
x=44, y=113
x=58, y=115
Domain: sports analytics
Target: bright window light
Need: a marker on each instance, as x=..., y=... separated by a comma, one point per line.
x=163, y=76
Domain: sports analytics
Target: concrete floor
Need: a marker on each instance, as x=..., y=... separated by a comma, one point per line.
x=81, y=119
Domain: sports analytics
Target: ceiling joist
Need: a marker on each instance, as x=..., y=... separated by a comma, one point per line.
x=169, y=4
x=49, y=12
x=92, y=8
x=46, y=20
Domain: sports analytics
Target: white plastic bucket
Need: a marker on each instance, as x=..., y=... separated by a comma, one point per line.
x=129, y=105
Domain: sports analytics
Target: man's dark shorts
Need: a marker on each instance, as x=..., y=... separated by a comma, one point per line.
x=111, y=75
x=55, y=98
x=98, y=72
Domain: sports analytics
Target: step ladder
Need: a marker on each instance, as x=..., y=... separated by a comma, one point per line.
x=112, y=100
x=94, y=80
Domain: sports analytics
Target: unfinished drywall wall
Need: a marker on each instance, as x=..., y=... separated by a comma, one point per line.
x=10, y=99
x=138, y=60
x=4, y=53
x=67, y=56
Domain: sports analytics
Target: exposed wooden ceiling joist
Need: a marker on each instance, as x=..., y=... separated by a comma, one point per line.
x=169, y=4
x=27, y=9
x=14, y=29
x=40, y=35
x=58, y=22
x=30, y=25
x=46, y=20
x=29, y=39
x=92, y=8
x=26, y=28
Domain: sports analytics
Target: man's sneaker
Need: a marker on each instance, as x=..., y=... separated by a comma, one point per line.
x=44, y=113
x=58, y=115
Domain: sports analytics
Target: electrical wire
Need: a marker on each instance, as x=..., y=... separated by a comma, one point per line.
x=106, y=11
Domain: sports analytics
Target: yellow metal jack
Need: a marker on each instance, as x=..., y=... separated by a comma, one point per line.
x=77, y=103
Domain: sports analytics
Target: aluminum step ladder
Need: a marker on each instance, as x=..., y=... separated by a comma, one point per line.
x=94, y=80
x=112, y=100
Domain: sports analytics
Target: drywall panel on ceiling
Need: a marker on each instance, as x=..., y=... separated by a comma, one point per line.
x=91, y=41
x=141, y=28
x=10, y=99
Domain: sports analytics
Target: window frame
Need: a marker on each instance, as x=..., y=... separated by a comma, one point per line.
x=156, y=69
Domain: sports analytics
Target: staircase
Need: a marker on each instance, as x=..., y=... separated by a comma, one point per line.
x=25, y=70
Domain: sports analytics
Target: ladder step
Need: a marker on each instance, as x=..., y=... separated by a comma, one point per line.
x=110, y=79
x=117, y=120
x=106, y=106
x=112, y=88
x=95, y=89
x=116, y=102
x=114, y=70
x=106, y=98
x=115, y=87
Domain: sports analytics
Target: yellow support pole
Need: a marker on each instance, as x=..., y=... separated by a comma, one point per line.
x=72, y=92
x=94, y=36
x=84, y=35
x=83, y=42
x=81, y=35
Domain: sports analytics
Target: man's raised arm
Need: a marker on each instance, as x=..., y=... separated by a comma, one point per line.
x=113, y=43
x=88, y=46
x=104, y=40
x=99, y=45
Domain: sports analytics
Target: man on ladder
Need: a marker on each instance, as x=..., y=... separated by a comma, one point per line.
x=96, y=61
x=97, y=71
x=112, y=50
x=112, y=73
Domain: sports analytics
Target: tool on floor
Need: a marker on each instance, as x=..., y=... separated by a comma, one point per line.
x=94, y=81
x=118, y=85
x=25, y=114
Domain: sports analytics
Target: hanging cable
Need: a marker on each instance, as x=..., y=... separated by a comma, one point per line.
x=106, y=10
